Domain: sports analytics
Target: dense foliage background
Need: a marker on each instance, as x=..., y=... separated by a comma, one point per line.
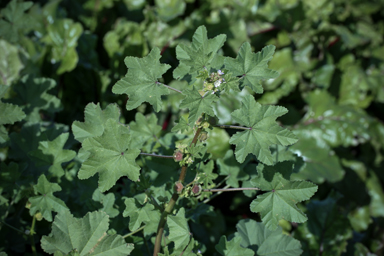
x=57, y=56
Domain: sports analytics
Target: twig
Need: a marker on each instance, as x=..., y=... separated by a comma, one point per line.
x=134, y=232
x=234, y=127
x=154, y=155
x=228, y=189
x=171, y=88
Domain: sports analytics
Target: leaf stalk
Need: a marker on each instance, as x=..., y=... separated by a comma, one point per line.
x=234, y=127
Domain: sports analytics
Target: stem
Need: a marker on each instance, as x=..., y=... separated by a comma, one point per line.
x=215, y=195
x=32, y=232
x=163, y=220
x=171, y=88
x=134, y=232
x=154, y=155
x=169, y=208
x=12, y=227
x=234, y=127
x=228, y=189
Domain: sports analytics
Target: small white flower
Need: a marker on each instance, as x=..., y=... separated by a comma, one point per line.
x=217, y=83
x=220, y=72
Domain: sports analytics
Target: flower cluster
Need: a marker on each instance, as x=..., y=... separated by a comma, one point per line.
x=213, y=82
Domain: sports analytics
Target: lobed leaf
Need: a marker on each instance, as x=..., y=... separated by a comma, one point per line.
x=52, y=154
x=263, y=241
x=280, y=202
x=111, y=156
x=141, y=81
x=87, y=236
x=200, y=54
x=94, y=120
x=232, y=248
x=46, y=202
x=178, y=229
x=138, y=214
x=253, y=67
x=263, y=130
x=143, y=130
x=197, y=104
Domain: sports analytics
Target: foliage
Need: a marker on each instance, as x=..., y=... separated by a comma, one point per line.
x=123, y=122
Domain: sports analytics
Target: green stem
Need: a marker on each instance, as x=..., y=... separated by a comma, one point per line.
x=32, y=233
x=228, y=189
x=134, y=232
x=234, y=127
x=171, y=88
x=169, y=208
x=154, y=155
x=12, y=227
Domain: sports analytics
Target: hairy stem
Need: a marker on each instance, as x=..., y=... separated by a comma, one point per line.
x=169, y=208
x=134, y=232
x=228, y=189
x=215, y=195
x=154, y=155
x=32, y=233
x=12, y=227
x=234, y=127
x=171, y=88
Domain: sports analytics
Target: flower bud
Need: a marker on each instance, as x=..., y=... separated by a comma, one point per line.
x=178, y=187
x=178, y=156
x=203, y=136
x=196, y=189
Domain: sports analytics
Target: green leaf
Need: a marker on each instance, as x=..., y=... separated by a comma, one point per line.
x=63, y=35
x=206, y=175
x=321, y=162
x=111, y=156
x=327, y=229
x=231, y=168
x=181, y=125
x=280, y=202
x=197, y=104
x=94, y=120
x=87, y=235
x=46, y=202
x=231, y=82
x=141, y=82
x=32, y=96
x=168, y=10
x=232, y=248
x=15, y=22
x=138, y=213
x=178, y=229
x=263, y=241
x=12, y=65
x=9, y=176
x=253, y=67
x=107, y=201
x=376, y=193
x=9, y=114
x=200, y=54
x=52, y=154
x=337, y=125
x=144, y=130
x=263, y=133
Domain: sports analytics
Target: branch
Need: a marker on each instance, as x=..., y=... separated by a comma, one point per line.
x=134, y=232
x=234, y=127
x=171, y=88
x=168, y=209
x=154, y=155
x=228, y=189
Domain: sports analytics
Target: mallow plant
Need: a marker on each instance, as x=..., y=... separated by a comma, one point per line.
x=173, y=176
